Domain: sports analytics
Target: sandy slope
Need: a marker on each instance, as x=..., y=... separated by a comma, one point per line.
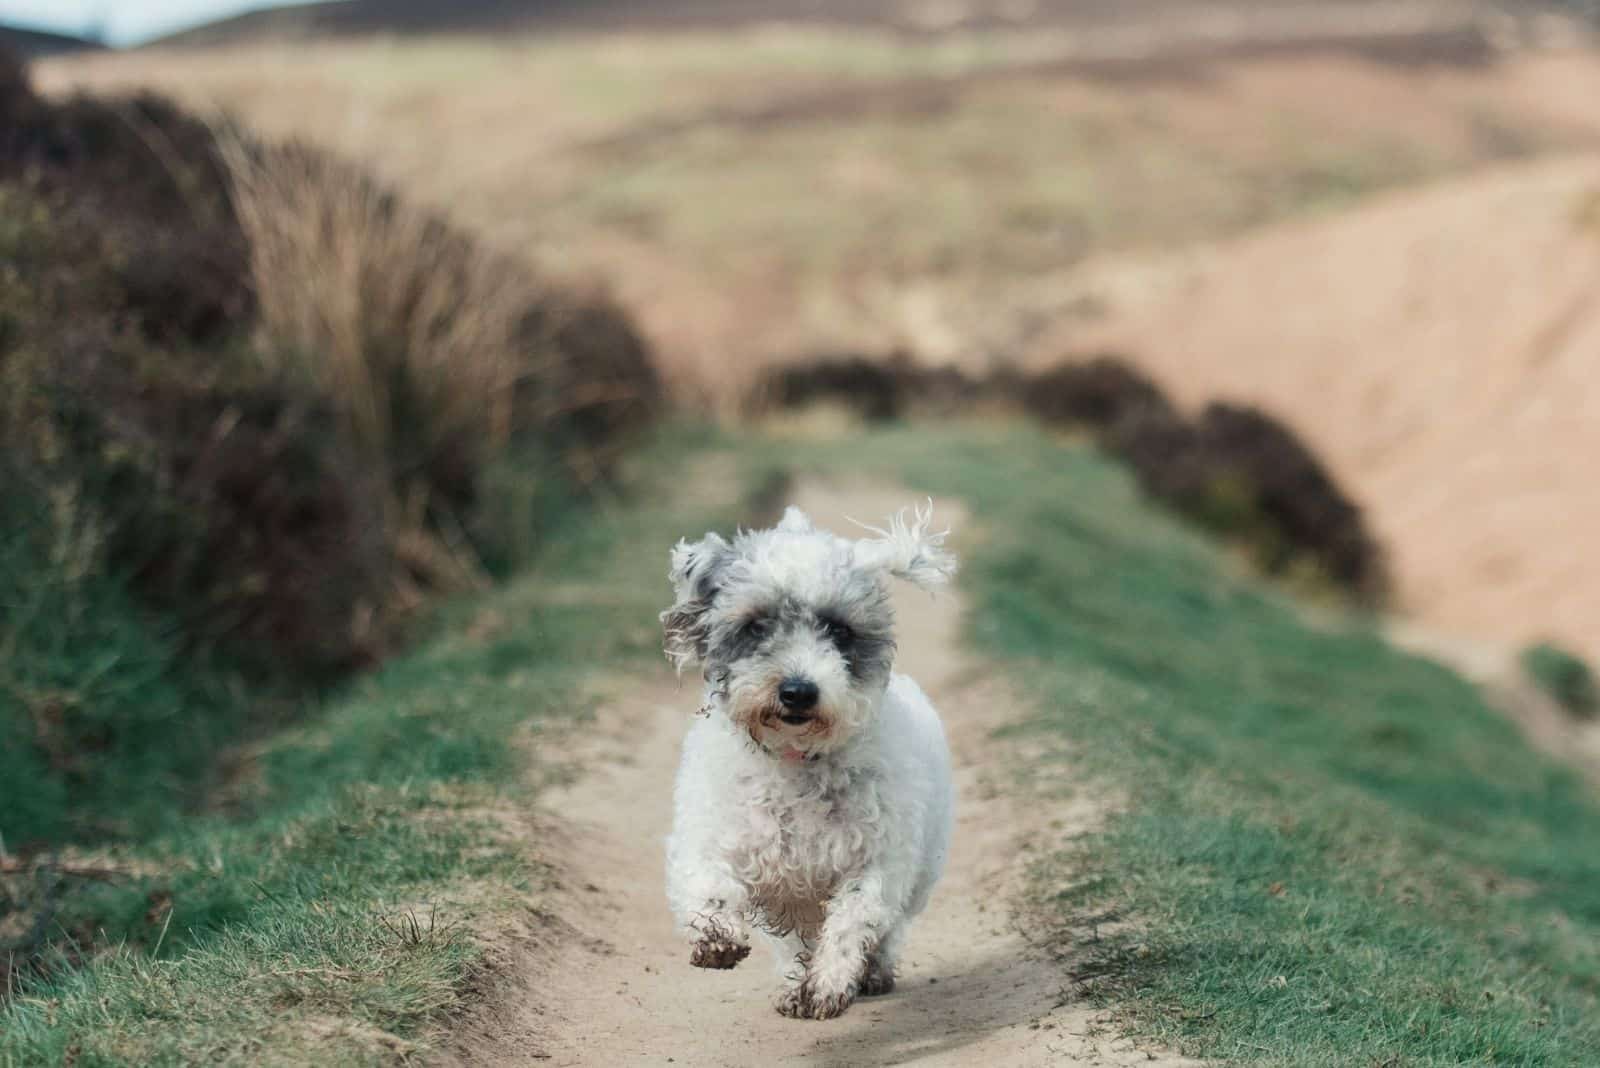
x=1441, y=349
x=618, y=989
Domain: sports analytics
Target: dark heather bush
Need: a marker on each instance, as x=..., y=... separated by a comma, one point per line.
x=876, y=388
x=126, y=302
x=141, y=376
x=1292, y=490
x=1235, y=470
x=605, y=386
x=867, y=385
x=192, y=529
x=1097, y=393
x=148, y=183
x=438, y=352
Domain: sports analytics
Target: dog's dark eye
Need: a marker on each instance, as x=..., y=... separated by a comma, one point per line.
x=839, y=633
x=757, y=628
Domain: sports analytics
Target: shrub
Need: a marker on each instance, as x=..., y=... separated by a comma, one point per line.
x=220, y=491
x=1099, y=393
x=876, y=388
x=261, y=402
x=280, y=386
x=144, y=184
x=866, y=385
x=436, y=355
x=1236, y=470
x=125, y=303
x=103, y=720
x=1565, y=677
x=1293, y=490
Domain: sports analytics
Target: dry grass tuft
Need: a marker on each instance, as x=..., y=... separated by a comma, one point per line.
x=391, y=312
x=406, y=327
x=436, y=353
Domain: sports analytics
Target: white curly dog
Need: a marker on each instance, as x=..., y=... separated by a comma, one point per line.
x=814, y=798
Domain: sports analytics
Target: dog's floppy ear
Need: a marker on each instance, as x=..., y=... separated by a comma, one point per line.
x=909, y=550
x=695, y=573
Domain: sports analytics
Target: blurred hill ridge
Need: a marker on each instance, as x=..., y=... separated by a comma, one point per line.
x=29, y=43
x=356, y=17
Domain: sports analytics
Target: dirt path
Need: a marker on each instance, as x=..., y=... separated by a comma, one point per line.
x=618, y=990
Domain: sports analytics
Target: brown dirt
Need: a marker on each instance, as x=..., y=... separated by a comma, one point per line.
x=1437, y=349
x=619, y=989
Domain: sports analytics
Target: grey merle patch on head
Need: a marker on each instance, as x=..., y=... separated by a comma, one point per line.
x=793, y=594
x=695, y=575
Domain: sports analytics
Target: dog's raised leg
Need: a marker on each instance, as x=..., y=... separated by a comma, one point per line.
x=719, y=935
x=858, y=918
x=711, y=907
x=719, y=939
x=709, y=902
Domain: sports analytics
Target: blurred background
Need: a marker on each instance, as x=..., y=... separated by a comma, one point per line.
x=1375, y=220
x=293, y=298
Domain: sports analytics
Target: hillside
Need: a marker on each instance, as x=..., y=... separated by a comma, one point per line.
x=757, y=197
x=1192, y=816
x=31, y=44
x=358, y=17
x=334, y=725
x=1438, y=348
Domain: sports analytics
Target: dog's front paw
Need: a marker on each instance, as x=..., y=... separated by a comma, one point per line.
x=803, y=1001
x=791, y=1002
x=827, y=1006
x=712, y=952
x=718, y=943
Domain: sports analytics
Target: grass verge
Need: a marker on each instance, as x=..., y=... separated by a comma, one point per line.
x=327, y=906
x=1332, y=853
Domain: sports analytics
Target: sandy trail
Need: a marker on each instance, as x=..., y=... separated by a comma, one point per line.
x=618, y=990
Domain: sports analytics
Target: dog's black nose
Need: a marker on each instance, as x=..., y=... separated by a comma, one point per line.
x=797, y=696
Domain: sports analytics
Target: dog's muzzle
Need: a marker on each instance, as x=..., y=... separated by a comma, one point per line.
x=798, y=698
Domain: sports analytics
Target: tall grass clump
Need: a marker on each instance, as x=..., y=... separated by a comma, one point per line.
x=439, y=356
x=274, y=410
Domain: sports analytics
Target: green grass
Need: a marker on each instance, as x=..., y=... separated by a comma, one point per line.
x=1565, y=677
x=1332, y=852
x=101, y=719
x=321, y=906
x=1329, y=853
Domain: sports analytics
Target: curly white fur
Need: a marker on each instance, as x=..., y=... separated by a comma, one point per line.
x=826, y=835
x=909, y=550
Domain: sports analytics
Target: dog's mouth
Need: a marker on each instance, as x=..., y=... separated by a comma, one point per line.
x=784, y=732
x=792, y=724
x=759, y=711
